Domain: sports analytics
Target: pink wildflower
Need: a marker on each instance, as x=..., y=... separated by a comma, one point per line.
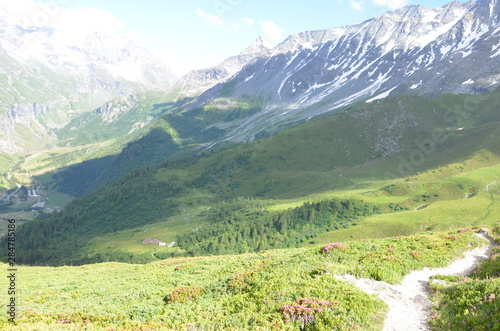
x=336, y=245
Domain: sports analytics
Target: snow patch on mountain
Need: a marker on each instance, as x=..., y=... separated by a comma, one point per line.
x=381, y=95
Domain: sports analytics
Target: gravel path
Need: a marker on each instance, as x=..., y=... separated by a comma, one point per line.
x=409, y=306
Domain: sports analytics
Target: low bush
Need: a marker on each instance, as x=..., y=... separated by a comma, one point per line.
x=304, y=311
x=184, y=294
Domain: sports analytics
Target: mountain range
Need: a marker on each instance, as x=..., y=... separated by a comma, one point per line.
x=90, y=112
x=198, y=81
x=49, y=79
x=413, y=50
x=276, y=190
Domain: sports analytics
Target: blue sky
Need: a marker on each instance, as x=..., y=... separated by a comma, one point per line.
x=201, y=33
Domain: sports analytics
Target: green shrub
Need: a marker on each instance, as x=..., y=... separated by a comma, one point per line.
x=468, y=305
x=184, y=294
x=240, y=282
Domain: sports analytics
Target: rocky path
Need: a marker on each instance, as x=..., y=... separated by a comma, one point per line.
x=409, y=306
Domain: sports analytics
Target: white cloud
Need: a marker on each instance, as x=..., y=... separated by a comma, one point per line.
x=71, y=26
x=134, y=36
x=210, y=18
x=89, y=19
x=356, y=5
x=248, y=21
x=271, y=29
x=183, y=62
x=392, y=4
x=102, y=21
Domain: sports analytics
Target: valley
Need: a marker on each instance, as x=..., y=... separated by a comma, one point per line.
x=265, y=178
x=315, y=184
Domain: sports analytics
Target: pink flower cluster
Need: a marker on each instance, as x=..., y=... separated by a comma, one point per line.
x=303, y=310
x=490, y=297
x=330, y=247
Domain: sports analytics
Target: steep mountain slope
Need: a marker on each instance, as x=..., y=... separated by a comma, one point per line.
x=48, y=79
x=339, y=74
x=170, y=134
x=413, y=50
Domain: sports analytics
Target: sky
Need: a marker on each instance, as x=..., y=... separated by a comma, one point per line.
x=196, y=34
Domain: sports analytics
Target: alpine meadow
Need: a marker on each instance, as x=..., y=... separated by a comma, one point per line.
x=338, y=179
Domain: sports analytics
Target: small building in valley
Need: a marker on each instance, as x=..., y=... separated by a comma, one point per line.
x=153, y=241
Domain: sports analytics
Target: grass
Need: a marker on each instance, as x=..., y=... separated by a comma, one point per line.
x=54, y=159
x=448, y=211
x=235, y=292
x=6, y=162
x=349, y=155
x=346, y=155
x=439, y=216
x=166, y=231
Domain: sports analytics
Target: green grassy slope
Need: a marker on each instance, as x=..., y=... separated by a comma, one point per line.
x=391, y=138
x=87, y=136
x=355, y=153
x=449, y=209
x=235, y=292
x=172, y=133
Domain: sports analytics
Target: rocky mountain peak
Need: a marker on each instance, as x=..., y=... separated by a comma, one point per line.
x=308, y=39
x=198, y=81
x=261, y=44
x=488, y=10
x=54, y=48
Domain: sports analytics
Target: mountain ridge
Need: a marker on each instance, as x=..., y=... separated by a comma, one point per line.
x=308, y=74
x=319, y=71
x=261, y=92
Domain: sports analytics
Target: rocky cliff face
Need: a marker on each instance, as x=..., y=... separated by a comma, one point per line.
x=111, y=110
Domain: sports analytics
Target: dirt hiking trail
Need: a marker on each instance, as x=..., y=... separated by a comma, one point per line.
x=409, y=306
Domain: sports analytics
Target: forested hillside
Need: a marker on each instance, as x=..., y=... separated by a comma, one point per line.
x=335, y=153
